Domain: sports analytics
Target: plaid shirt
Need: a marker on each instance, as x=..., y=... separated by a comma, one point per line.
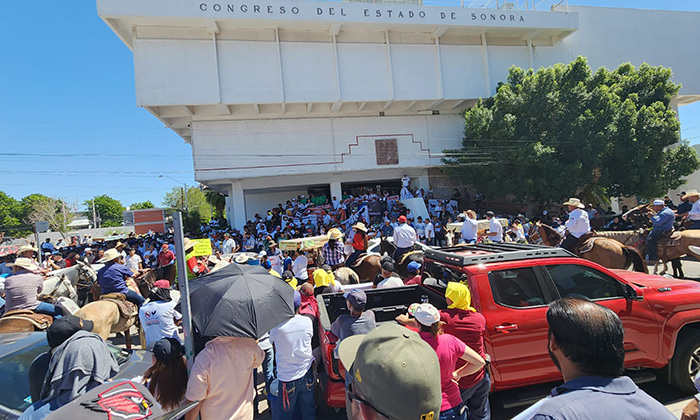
x=335, y=255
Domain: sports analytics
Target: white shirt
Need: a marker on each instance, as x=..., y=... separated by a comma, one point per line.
x=133, y=262
x=158, y=321
x=578, y=223
x=420, y=229
x=292, y=341
x=299, y=267
x=228, y=246
x=495, y=226
x=275, y=260
x=404, y=236
x=392, y=281
x=336, y=204
x=429, y=230
x=469, y=228
x=694, y=213
x=405, y=181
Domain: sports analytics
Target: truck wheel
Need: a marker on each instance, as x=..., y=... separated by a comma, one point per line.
x=685, y=363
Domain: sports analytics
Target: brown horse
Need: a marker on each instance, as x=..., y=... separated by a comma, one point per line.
x=368, y=267
x=108, y=319
x=24, y=321
x=689, y=237
x=606, y=252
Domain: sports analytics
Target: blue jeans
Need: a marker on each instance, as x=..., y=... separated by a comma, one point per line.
x=652, y=239
x=399, y=253
x=476, y=399
x=134, y=297
x=353, y=257
x=456, y=413
x=695, y=225
x=48, y=309
x=295, y=399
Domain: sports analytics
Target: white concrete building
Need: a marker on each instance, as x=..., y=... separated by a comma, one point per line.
x=277, y=97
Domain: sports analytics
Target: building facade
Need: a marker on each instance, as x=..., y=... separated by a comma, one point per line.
x=281, y=97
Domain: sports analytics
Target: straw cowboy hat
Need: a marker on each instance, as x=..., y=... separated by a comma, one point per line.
x=335, y=233
x=241, y=259
x=187, y=244
x=110, y=255
x=691, y=193
x=25, y=248
x=573, y=201
x=360, y=226
x=25, y=263
x=119, y=244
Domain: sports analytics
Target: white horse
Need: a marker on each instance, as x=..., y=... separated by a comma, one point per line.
x=64, y=282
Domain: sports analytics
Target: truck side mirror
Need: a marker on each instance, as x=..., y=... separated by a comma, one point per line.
x=631, y=293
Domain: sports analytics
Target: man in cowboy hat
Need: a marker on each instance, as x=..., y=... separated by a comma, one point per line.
x=662, y=222
x=27, y=251
x=694, y=214
x=577, y=225
x=332, y=251
x=22, y=288
x=404, y=238
x=112, y=277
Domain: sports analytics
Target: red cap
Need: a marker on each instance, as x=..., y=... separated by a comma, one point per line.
x=402, y=219
x=162, y=284
x=165, y=246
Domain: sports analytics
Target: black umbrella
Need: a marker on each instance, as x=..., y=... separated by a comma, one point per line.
x=240, y=301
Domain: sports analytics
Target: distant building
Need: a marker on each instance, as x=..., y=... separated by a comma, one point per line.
x=145, y=220
x=80, y=221
x=281, y=98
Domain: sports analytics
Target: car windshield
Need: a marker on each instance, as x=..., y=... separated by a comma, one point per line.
x=14, y=371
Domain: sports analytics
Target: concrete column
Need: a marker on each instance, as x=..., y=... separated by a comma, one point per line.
x=236, y=202
x=336, y=190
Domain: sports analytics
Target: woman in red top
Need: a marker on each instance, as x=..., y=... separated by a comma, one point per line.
x=449, y=350
x=194, y=265
x=359, y=243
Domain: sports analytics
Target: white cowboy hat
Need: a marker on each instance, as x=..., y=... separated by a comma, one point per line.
x=25, y=263
x=573, y=201
x=25, y=248
x=690, y=193
x=110, y=255
x=360, y=226
x=241, y=259
x=187, y=244
x=335, y=233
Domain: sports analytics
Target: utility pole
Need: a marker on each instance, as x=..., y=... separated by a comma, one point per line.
x=63, y=207
x=94, y=215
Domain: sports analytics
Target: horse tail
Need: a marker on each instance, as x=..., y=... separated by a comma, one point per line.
x=632, y=254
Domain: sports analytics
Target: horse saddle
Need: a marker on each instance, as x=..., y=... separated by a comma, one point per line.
x=671, y=238
x=40, y=321
x=585, y=243
x=126, y=308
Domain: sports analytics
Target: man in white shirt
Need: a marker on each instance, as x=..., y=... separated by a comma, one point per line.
x=419, y=226
x=230, y=246
x=405, y=181
x=577, y=225
x=495, y=233
x=429, y=232
x=158, y=317
x=294, y=357
x=387, y=278
x=274, y=255
x=300, y=265
x=335, y=203
x=404, y=238
x=469, y=228
x=694, y=214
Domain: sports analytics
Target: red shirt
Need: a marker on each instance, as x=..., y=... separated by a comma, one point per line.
x=449, y=349
x=165, y=258
x=469, y=327
x=358, y=242
x=413, y=280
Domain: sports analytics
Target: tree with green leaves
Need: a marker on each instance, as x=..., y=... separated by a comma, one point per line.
x=217, y=201
x=49, y=209
x=142, y=205
x=193, y=204
x=109, y=211
x=12, y=217
x=566, y=131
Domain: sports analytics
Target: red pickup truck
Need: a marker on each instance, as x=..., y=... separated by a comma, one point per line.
x=512, y=285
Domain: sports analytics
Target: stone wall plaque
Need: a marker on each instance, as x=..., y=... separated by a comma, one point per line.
x=387, y=152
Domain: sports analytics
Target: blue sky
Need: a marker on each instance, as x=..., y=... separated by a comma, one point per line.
x=71, y=127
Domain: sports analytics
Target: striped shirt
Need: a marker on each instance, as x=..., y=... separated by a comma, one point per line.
x=333, y=256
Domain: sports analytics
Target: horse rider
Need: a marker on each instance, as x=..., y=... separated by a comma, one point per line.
x=113, y=276
x=27, y=251
x=359, y=243
x=469, y=228
x=694, y=214
x=661, y=223
x=404, y=238
x=22, y=288
x=577, y=225
x=495, y=233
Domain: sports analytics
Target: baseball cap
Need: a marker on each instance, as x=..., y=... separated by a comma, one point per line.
x=402, y=219
x=658, y=203
x=387, y=266
x=63, y=328
x=357, y=299
x=163, y=284
x=426, y=314
x=167, y=349
x=394, y=371
x=490, y=213
x=297, y=299
x=413, y=266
